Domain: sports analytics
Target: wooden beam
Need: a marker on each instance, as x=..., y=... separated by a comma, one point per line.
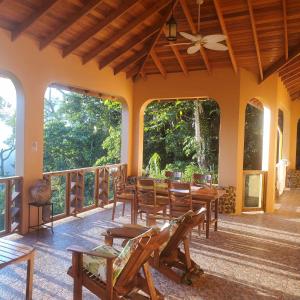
x=86, y=8
x=158, y=63
x=292, y=82
x=124, y=31
x=287, y=70
x=123, y=8
x=282, y=62
x=178, y=56
x=131, y=44
x=291, y=75
x=156, y=36
x=193, y=28
x=255, y=37
x=225, y=32
x=132, y=59
x=43, y=9
x=286, y=39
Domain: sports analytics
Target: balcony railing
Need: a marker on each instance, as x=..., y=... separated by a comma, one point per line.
x=254, y=190
x=10, y=204
x=78, y=190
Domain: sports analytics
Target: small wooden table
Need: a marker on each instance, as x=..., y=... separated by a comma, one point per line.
x=11, y=253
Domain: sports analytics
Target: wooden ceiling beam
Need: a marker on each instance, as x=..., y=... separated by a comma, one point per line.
x=178, y=56
x=255, y=37
x=225, y=32
x=43, y=9
x=285, y=71
x=134, y=58
x=86, y=8
x=292, y=82
x=291, y=75
x=128, y=46
x=193, y=28
x=282, y=62
x=139, y=20
x=158, y=63
x=156, y=36
x=123, y=8
x=286, y=39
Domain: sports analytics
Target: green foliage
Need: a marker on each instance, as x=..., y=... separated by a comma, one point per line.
x=153, y=168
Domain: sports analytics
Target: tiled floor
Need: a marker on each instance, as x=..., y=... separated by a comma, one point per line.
x=250, y=257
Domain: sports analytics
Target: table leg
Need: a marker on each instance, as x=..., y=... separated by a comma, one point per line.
x=216, y=213
x=29, y=279
x=208, y=217
x=133, y=211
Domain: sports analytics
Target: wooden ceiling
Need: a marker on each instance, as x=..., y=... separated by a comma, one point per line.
x=263, y=36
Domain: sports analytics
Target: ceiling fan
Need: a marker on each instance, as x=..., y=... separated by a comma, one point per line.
x=197, y=41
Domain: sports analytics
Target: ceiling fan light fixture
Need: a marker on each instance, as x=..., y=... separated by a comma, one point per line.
x=171, y=32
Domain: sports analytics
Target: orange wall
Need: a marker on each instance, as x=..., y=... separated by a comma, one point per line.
x=35, y=70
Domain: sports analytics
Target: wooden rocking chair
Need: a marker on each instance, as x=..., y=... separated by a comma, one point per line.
x=171, y=258
x=129, y=281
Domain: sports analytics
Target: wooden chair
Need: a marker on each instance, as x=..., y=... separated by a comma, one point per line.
x=123, y=194
x=180, y=198
x=148, y=201
x=202, y=180
x=129, y=280
x=171, y=260
x=173, y=175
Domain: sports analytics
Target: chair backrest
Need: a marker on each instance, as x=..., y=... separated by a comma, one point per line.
x=180, y=198
x=202, y=179
x=145, y=247
x=146, y=192
x=118, y=184
x=173, y=175
x=186, y=224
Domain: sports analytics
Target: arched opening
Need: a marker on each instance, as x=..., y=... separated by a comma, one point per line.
x=82, y=131
x=181, y=135
x=298, y=147
x=256, y=154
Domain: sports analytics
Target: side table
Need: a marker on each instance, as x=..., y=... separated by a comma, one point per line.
x=43, y=224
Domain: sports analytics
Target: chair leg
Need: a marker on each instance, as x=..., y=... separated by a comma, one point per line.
x=114, y=210
x=150, y=283
x=76, y=265
x=123, y=210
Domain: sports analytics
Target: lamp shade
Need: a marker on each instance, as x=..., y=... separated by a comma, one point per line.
x=171, y=32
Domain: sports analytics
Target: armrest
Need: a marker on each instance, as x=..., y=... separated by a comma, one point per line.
x=81, y=250
x=125, y=232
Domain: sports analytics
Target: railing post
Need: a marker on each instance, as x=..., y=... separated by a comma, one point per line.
x=68, y=194
x=96, y=187
x=7, y=206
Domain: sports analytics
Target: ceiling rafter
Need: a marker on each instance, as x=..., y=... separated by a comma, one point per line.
x=42, y=10
x=255, y=37
x=291, y=75
x=131, y=44
x=289, y=69
x=132, y=59
x=225, y=32
x=286, y=39
x=158, y=63
x=144, y=16
x=162, y=24
x=86, y=8
x=123, y=8
x=193, y=28
x=282, y=62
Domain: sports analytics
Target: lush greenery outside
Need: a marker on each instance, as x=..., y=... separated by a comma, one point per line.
x=253, y=142
x=79, y=131
x=181, y=136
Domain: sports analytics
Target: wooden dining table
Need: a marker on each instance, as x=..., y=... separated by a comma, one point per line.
x=11, y=253
x=201, y=196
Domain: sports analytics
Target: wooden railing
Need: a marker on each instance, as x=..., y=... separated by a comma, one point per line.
x=10, y=204
x=77, y=190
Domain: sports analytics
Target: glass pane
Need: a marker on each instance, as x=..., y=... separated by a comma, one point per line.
x=253, y=190
x=2, y=207
x=89, y=184
x=58, y=186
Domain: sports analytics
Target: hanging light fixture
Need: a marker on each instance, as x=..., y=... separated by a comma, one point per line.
x=171, y=32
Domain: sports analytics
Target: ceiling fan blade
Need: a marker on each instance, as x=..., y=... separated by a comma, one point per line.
x=177, y=44
x=214, y=38
x=193, y=38
x=193, y=49
x=215, y=46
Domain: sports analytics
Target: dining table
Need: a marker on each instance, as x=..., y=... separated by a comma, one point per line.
x=202, y=196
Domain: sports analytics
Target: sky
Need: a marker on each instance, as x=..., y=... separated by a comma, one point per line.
x=7, y=92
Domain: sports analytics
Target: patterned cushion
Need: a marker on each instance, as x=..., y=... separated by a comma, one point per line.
x=97, y=265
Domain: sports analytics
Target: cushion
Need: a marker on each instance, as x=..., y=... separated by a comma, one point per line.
x=97, y=265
